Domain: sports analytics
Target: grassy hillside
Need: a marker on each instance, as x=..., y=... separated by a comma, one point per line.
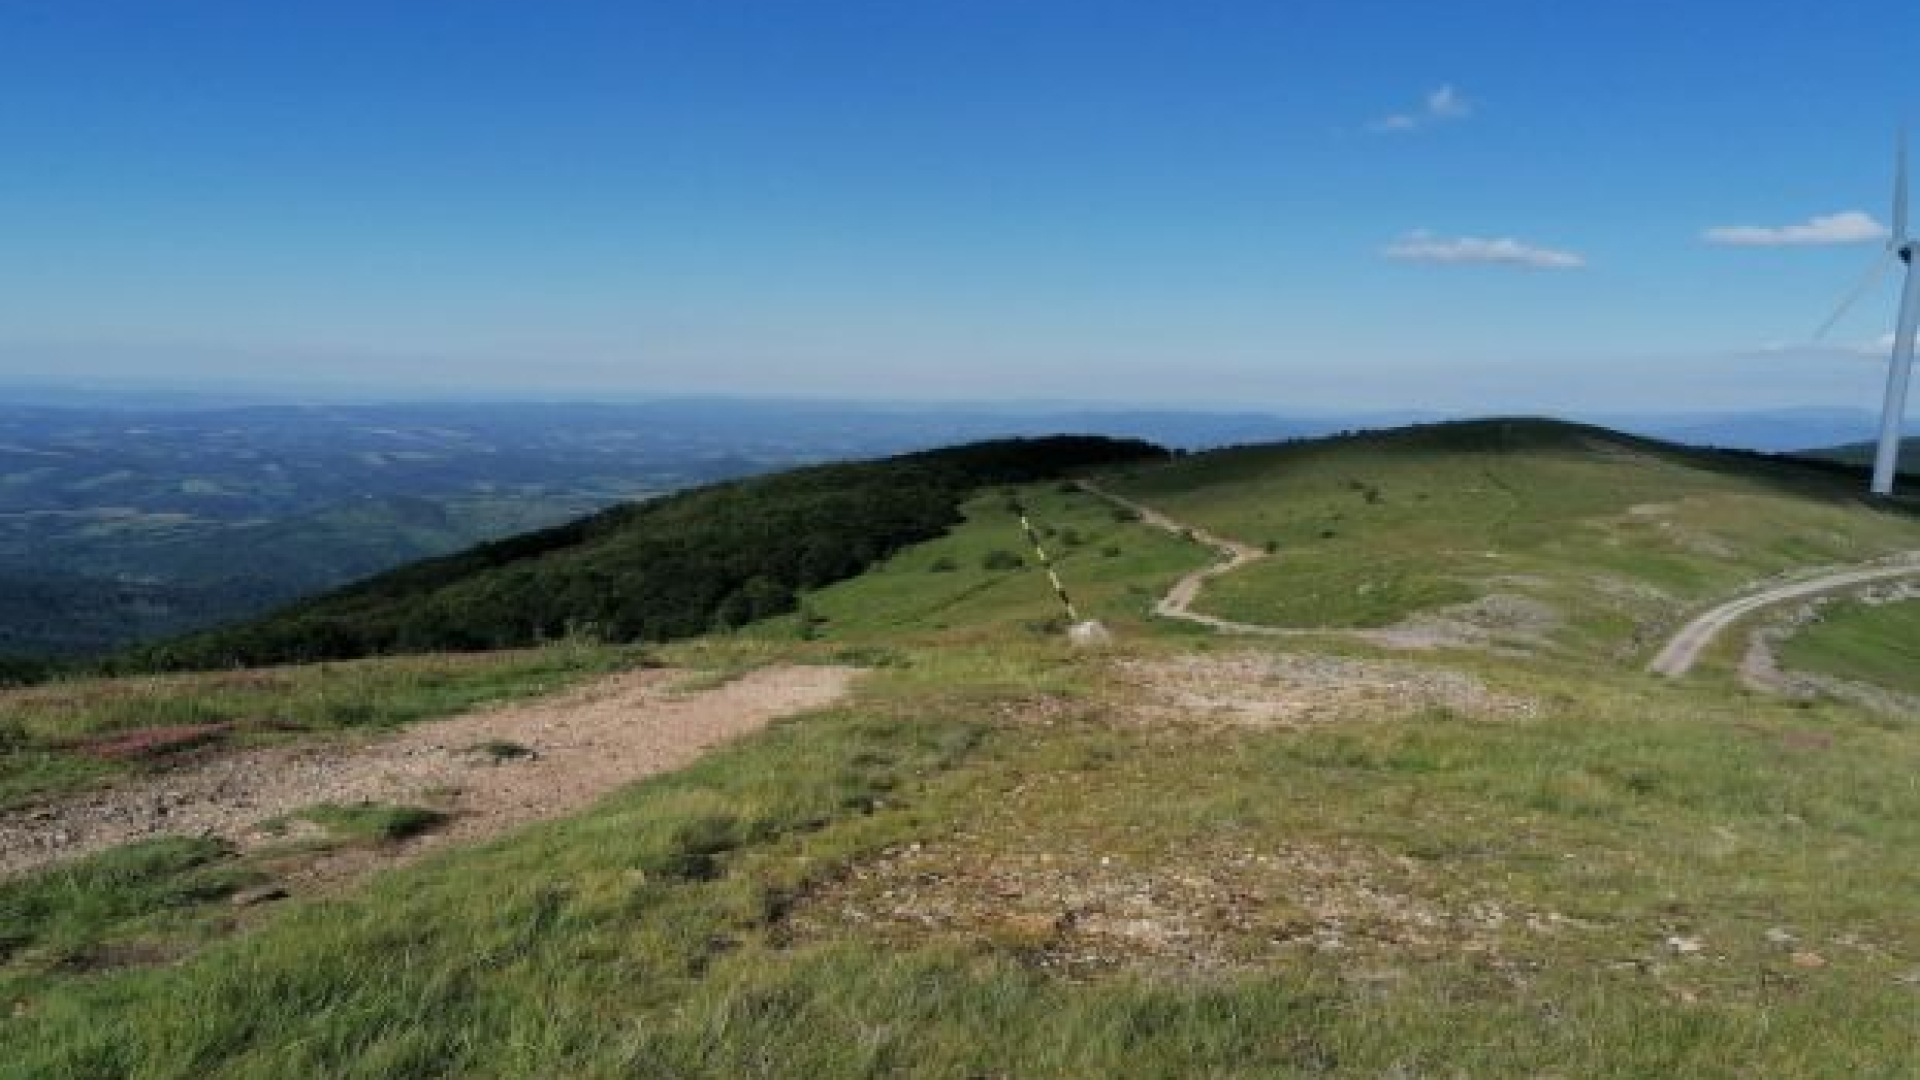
x=1638, y=880
x=1607, y=538
x=713, y=557
x=1186, y=855
x=982, y=581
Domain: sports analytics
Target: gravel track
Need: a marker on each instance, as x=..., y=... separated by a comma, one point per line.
x=1683, y=650
x=581, y=745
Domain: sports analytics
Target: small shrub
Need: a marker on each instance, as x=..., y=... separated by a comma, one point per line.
x=1125, y=514
x=1071, y=538
x=693, y=848
x=1111, y=551
x=501, y=750
x=943, y=565
x=24, y=671
x=1272, y=546
x=873, y=656
x=811, y=622
x=1001, y=559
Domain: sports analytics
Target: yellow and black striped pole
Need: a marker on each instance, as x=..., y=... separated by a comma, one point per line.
x=1047, y=565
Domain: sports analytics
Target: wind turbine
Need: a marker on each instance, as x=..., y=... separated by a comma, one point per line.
x=1900, y=366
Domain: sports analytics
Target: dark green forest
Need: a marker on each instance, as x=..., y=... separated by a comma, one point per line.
x=706, y=558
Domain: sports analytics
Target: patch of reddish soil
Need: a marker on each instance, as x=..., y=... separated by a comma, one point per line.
x=152, y=742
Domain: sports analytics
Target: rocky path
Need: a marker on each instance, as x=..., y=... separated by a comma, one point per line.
x=578, y=746
x=1684, y=648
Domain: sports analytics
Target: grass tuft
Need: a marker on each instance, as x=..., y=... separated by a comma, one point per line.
x=373, y=823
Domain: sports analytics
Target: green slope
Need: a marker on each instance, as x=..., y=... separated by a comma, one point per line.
x=712, y=557
x=1606, y=536
x=962, y=586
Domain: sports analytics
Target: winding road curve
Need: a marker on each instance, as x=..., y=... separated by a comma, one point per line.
x=1685, y=647
x=1178, y=602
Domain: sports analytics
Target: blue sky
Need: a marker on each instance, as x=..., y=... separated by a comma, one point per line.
x=1303, y=205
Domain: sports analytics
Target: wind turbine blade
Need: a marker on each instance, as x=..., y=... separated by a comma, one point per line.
x=1900, y=189
x=1866, y=284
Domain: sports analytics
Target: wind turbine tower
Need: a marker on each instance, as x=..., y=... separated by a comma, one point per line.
x=1900, y=365
x=1901, y=246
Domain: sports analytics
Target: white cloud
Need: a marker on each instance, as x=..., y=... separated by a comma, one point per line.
x=1446, y=103
x=1441, y=103
x=1846, y=227
x=1870, y=349
x=1423, y=246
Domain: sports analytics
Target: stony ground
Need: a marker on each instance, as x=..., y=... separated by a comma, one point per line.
x=1081, y=903
x=1077, y=909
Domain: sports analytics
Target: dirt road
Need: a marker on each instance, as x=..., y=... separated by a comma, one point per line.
x=1234, y=555
x=1178, y=602
x=581, y=745
x=1685, y=647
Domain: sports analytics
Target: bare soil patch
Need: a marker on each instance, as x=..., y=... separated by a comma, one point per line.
x=151, y=742
x=579, y=746
x=1283, y=689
